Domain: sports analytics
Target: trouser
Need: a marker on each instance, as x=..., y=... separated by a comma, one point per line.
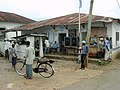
x=6, y=54
x=83, y=58
x=55, y=50
x=29, y=71
x=46, y=50
x=10, y=57
x=107, y=54
x=13, y=61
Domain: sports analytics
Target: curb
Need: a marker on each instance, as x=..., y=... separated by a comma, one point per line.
x=69, y=58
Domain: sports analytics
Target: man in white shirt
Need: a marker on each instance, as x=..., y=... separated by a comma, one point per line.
x=6, y=47
x=29, y=55
x=46, y=46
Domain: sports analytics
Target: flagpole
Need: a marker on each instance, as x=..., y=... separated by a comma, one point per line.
x=80, y=37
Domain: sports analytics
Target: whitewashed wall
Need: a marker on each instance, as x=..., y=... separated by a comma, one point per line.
x=20, y=51
x=51, y=33
x=115, y=27
x=54, y=34
x=2, y=46
x=31, y=39
x=9, y=25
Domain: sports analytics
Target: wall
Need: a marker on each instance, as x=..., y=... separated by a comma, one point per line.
x=9, y=25
x=51, y=33
x=116, y=44
x=20, y=51
x=2, y=46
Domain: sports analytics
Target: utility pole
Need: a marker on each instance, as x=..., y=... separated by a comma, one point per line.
x=80, y=35
x=89, y=27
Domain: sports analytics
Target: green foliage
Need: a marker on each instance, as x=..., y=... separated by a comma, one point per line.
x=103, y=62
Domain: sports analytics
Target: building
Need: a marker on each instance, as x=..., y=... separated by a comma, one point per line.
x=11, y=20
x=8, y=21
x=59, y=28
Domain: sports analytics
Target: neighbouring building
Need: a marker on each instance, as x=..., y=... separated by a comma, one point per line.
x=8, y=21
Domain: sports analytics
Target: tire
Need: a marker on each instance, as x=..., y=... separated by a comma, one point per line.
x=45, y=70
x=20, y=68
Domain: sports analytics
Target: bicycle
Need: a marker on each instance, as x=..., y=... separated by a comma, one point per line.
x=43, y=67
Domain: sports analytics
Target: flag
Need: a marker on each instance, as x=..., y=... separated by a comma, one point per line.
x=80, y=1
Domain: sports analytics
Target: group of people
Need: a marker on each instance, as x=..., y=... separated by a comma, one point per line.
x=108, y=47
x=47, y=46
x=11, y=55
x=10, y=51
x=105, y=47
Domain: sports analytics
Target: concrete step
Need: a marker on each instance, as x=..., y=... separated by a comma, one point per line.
x=67, y=57
x=61, y=57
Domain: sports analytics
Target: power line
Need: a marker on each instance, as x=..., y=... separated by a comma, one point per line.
x=118, y=3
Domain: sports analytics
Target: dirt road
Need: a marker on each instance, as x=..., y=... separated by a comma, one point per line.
x=66, y=73
x=109, y=80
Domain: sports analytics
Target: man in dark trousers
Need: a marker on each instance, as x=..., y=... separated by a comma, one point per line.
x=84, y=53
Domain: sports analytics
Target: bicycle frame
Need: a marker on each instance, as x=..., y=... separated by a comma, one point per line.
x=44, y=68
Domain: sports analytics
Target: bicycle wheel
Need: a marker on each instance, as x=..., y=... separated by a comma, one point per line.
x=45, y=70
x=20, y=68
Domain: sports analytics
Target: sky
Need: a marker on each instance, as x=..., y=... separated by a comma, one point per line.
x=46, y=9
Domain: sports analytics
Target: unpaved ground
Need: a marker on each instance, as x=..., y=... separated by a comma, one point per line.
x=109, y=80
x=66, y=73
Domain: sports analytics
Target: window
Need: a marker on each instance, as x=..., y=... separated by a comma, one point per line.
x=72, y=32
x=2, y=34
x=117, y=38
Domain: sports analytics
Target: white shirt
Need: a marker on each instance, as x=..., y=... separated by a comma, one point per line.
x=6, y=45
x=107, y=43
x=47, y=43
x=29, y=55
x=9, y=46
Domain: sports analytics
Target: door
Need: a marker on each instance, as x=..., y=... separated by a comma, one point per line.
x=61, y=41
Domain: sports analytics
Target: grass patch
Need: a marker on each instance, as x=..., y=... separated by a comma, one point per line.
x=102, y=62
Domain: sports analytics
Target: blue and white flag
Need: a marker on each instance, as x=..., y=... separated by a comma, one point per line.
x=80, y=1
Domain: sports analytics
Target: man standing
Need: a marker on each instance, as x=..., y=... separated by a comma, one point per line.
x=13, y=55
x=55, y=46
x=107, y=48
x=46, y=46
x=29, y=55
x=84, y=53
x=6, y=49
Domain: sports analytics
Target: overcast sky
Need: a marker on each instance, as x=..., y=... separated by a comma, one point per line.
x=45, y=9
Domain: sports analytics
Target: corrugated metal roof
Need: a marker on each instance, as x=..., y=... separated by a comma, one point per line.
x=35, y=35
x=11, y=17
x=64, y=20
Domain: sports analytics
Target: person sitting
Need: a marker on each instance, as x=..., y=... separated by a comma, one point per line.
x=55, y=47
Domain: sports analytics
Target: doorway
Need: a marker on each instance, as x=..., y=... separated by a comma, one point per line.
x=36, y=46
x=61, y=41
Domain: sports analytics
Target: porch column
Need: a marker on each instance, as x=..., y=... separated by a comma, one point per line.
x=16, y=33
x=41, y=48
x=66, y=32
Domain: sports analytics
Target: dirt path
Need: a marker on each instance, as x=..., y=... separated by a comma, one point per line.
x=66, y=73
x=109, y=80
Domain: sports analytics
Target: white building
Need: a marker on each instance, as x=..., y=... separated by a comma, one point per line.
x=67, y=26
x=8, y=21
